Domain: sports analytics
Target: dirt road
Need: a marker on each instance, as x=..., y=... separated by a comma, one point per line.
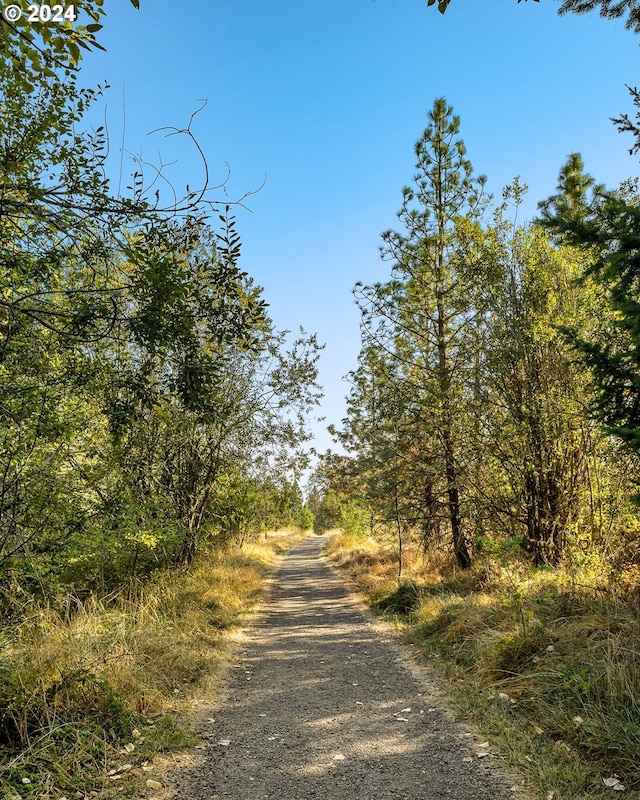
x=323, y=703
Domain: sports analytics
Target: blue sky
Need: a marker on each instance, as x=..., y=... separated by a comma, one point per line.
x=326, y=100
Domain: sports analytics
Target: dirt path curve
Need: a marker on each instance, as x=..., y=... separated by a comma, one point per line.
x=323, y=703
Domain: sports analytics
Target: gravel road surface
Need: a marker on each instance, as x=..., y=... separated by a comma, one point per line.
x=323, y=702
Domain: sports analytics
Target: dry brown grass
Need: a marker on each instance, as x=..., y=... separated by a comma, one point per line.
x=547, y=662
x=88, y=691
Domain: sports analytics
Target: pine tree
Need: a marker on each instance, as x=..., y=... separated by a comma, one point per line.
x=420, y=320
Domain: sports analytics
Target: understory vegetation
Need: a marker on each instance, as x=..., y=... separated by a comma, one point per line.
x=544, y=661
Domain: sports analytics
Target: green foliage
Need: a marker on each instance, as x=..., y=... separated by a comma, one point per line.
x=139, y=368
x=606, y=226
x=610, y=9
x=468, y=415
x=354, y=519
x=327, y=515
x=337, y=503
x=540, y=442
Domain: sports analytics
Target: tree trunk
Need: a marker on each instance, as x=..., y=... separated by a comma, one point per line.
x=460, y=548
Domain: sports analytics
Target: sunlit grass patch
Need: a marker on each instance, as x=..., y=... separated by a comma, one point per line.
x=353, y=551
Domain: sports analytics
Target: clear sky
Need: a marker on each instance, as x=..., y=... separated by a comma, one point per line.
x=326, y=100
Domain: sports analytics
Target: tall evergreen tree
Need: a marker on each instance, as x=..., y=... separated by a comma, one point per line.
x=420, y=319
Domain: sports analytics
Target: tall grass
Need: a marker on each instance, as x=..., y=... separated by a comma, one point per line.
x=547, y=662
x=89, y=691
